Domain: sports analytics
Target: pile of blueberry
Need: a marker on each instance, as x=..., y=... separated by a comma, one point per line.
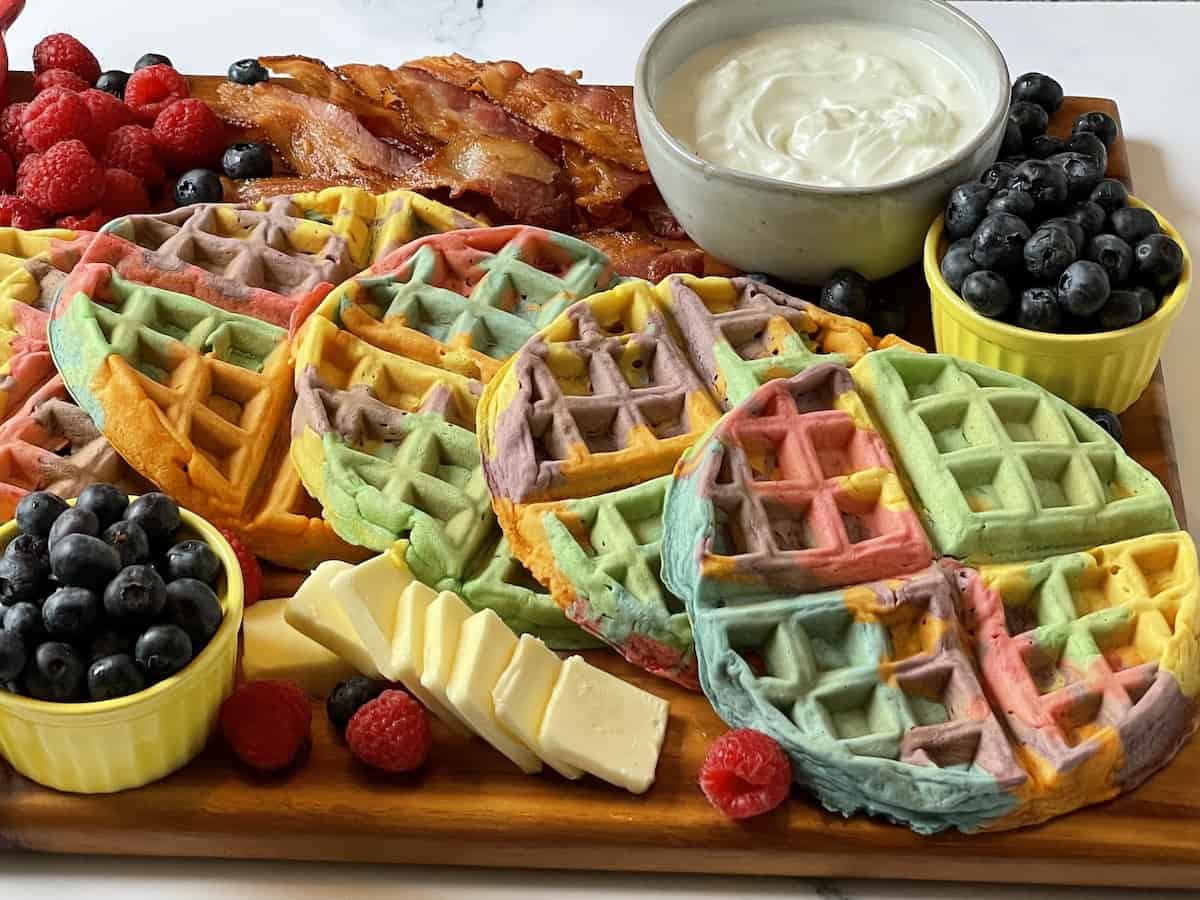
x=102, y=599
x=1044, y=240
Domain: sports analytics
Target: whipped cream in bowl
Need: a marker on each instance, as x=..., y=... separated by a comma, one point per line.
x=796, y=138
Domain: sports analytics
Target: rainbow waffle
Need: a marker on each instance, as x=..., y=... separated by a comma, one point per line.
x=1001, y=469
x=795, y=491
x=581, y=429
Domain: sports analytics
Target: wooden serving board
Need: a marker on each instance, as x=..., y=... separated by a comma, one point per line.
x=471, y=807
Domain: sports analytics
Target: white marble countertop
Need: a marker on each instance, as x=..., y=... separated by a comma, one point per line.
x=1154, y=79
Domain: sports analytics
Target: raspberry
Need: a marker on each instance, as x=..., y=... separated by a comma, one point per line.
x=56, y=115
x=251, y=571
x=745, y=773
x=61, y=51
x=64, y=179
x=17, y=212
x=390, y=733
x=24, y=169
x=152, y=89
x=124, y=193
x=108, y=113
x=267, y=723
x=12, y=136
x=190, y=135
x=93, y=221
x=7, y=177
x=132, y=148
x=62, y=78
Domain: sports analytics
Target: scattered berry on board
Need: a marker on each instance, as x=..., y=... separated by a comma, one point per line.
x=745, y=773
x=390, y=733
x=267, y=723
x=252, y=578
x=348, y=697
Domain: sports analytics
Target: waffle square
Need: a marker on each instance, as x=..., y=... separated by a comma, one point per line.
x=601, y=403
x=1001, y=469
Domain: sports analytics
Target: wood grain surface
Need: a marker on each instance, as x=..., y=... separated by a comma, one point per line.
x=472, y=807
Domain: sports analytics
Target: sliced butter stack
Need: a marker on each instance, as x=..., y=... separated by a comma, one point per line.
x=443, y=623
x=387, y=607
x=522, y=694
x=314, y=610
x=274, y=650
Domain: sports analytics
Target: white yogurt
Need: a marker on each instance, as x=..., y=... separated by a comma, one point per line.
x=836, y=103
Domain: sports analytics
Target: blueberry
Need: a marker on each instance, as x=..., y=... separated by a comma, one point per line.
x=1110, y=194
x=248, y=71
x=58, y=673
x=152, y=59
x=192, y=559
x=1158, y=261
x=1013, y=143
x=162, y=650
x=1132, y=223
x=73, y=521
x=1039, y=310
x=1030, y=118
x=158, y=515
x=1113, y=254
x=890, y=318
x=137, y=594
x=1147, y=300
x=1122, y=309
x=1106, y=419
x=25, y=621
x=198, y=186
x=113, y=82
x=22, y=580
x=71, y=613
x=107, y=501
x=1047, y=183
x=114, y=676
x=1082, y=172
x=1048, y=252
x=130, y=542
x=1083, y=288
x=1016, y=203
x=193, y=606
x=1040, y=89
x=31, y=548
x=247, y=159
x=987, y=293
x=1089, y=145
x=81, y=560
x=1044, y=145
x=957, y=265
x=966, y=208
x=1073, y=229
x=845, y=293
x=13, y=655
x=1090, y=216
x=110, y=642
x=998, y=242
x=996, y=175
x=348, y=697
x=1100, y=124
x=37, y=511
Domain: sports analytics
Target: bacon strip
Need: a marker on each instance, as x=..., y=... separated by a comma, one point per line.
x=601, y=188
x=600, y=119
x=641, y=256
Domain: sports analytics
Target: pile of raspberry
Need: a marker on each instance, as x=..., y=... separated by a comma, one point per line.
x=77, y=156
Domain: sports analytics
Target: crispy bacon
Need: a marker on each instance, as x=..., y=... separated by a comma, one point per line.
x=659, y=218
x=601, y=188
x=641, y=256
x=598, y=118
x=317, y=139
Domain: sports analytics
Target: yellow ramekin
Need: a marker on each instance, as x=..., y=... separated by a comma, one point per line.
x=113, y=745
x=1109, y=369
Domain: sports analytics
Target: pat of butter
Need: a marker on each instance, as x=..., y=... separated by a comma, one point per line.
x=603, y=725
x=387, y=606
x=522, y=693
x=485, y=647
x=274, y=650
x=315, y=611
x=444, y=619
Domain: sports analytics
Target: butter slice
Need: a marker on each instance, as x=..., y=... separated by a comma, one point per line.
x=522, y=693
x=485, y=647
x=274, y=650
x=387, y=606
x=605, y=726
x=444, y=620
x=315, y=611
